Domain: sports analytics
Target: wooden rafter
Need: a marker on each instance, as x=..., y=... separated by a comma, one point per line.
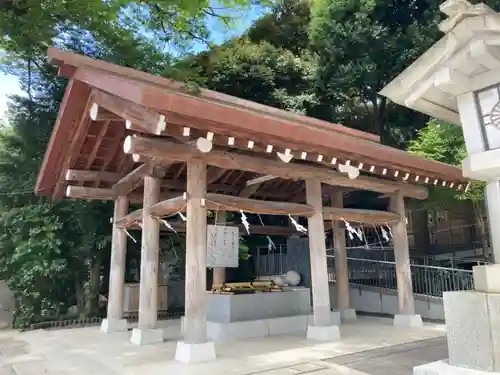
x=135, y=178
x=136, y=117
x=83, y=175
x=160, y=148
x=75, y=145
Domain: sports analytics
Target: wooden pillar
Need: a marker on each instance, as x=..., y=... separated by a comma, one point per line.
x=317, y=248
x=219, y=273
x=150, y=248
x=341, y=267
x=195, y=321
x=402, y=256
x=114, y=321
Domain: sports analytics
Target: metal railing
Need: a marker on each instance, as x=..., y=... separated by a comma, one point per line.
x=268, y=262
x=426, y=280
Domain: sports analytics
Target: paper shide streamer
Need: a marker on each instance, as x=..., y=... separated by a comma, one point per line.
x=351, y=231
x=298, y=227
x=244, y=221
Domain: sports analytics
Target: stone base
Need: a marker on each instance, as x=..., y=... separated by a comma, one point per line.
x=486, y=278
x=335, y=318
x=195, y=353
x=114, y=325
x=444, y=368
x=146, y=336
x=227, y=332
x=348, y=315
x=473, y=329
x=408, y=321
x=329, y=333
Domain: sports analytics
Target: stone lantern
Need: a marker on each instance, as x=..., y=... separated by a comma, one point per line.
x=458, y=81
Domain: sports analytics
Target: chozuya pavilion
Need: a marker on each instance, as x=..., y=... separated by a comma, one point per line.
x=132, y=137
x=458, y=80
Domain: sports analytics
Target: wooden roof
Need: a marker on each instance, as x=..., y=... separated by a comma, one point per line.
x=79, y=143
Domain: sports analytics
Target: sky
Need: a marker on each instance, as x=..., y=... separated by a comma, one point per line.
x=9, y=85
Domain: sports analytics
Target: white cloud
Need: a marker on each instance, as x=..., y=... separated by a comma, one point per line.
x=8, y=85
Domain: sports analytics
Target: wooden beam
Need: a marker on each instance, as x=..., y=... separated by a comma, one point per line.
x=83, y=175
x=406, y=300
x=90, y=193
x=248, y=191
x=234, y=204
x=169, y=206
x=160, y=148
x=130, y=219
x=214, y=173
x=361, y=216
x=137, y=118
x=341, y=264
x=150, y=250
x=135, y=178
x=195, y=317
x=260, y=180
x=252, y=186
x=254, y=206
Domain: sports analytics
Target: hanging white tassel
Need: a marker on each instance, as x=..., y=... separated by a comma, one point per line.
x=270, y=245
x=245, y=222
x=359, y=233
x=129, y=235
x=390, y=230
x=298, y=227
x=167, y=224
x=385, y=234
x=350, y=230
x=183, y=218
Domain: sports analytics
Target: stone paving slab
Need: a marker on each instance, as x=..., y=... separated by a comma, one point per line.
x=91, y=352
x=395, y=360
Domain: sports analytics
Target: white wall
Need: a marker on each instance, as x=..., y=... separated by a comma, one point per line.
x=383, y=301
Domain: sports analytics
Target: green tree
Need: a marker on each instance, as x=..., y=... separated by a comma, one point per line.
x=444, y=142
x=259, y=72
x=361, y=46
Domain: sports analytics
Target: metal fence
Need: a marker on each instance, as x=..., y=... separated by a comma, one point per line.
x=376, y=268
x=427, y=280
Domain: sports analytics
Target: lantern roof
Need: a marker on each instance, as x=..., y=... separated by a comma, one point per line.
x=465, y=59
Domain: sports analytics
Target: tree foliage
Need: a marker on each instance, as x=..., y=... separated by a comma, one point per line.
x=444, y=142
x=361, y=46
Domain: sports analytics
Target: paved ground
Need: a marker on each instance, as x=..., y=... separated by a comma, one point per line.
x=397, y=359
x=86, y=351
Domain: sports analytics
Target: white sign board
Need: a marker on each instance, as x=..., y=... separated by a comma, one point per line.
x=222, y=246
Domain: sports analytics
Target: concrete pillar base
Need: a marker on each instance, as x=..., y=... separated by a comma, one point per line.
x=334, y=316
x=348, y=315
x=444, y=368
x=328, y=333
x=195, y=353
x=114, y=325
x=408, y=320
x=146, y=336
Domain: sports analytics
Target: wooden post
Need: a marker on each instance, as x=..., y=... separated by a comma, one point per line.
x=341, y=267
x=195, y=321
x=317, y=248
x=219, y=273
x=402, y=256
x=150, y=248
x=114, y=321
